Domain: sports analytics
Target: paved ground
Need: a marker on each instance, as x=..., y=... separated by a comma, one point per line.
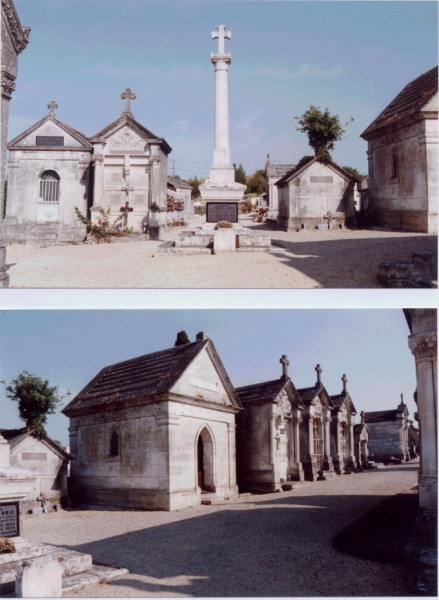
x=306, y=259
x=269, y=545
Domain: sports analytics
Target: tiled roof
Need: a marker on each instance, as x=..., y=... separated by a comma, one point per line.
x=143, y=379
x=273, y=170
x=266, y=391
x=381, y=415
x=407, y=104
x=308, y=394
x=178, y=183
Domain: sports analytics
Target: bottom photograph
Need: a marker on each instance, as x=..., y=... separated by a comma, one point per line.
x=206, y=453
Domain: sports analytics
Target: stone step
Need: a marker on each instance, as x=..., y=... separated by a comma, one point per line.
x=77, y=568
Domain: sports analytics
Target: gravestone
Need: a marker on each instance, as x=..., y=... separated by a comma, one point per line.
x=39, y=578
x=9, y=519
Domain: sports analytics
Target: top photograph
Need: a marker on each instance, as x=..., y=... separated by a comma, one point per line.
x=209, y=144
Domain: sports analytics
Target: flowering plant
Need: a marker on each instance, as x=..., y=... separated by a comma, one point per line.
x=6, y=545
x=223, y=225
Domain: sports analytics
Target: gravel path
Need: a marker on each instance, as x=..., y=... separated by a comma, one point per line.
x=306, y=259
x=269, y=545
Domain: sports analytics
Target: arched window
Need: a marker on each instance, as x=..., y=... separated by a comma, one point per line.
x=114, y=444
x=49, y=187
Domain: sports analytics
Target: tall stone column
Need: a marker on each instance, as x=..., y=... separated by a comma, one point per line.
x=423, y=344
x=220, y=191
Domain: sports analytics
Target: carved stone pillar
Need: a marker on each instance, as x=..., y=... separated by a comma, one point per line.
x=423, y=344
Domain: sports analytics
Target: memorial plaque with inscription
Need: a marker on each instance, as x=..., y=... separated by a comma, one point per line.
x=221, y=211
x=50, y=140
x=9, y=519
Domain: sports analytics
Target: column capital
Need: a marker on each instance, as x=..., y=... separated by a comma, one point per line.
x=423, y=345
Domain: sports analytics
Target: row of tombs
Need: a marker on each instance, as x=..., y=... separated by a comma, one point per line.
x=168, y=430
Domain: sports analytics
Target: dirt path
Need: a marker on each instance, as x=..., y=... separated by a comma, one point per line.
x=269, y=545
x=307, y=259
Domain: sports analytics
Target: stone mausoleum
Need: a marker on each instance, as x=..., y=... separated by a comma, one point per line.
x=388, y=433
x=402, y=149
x=54, y=169
x=155, y=432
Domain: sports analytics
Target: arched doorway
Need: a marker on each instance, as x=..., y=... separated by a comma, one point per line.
x=205, y=462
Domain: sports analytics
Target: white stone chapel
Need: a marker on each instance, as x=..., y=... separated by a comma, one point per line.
x=54, y=169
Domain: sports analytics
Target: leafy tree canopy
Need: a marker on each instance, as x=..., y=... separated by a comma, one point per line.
x=322, y=129
x=195, y=183
x=354, y=172
x=256, y=183
x=303, y=161
x=36, y=399
x=240, y=176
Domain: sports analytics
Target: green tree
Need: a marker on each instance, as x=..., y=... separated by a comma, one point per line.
x=355, y=173
x=240, y=176
x=195, y=183
x=256, y=183
x=322, y=129
x=303, y=161
x=36, y=400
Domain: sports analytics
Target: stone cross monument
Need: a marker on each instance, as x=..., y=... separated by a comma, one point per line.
x=220, y=192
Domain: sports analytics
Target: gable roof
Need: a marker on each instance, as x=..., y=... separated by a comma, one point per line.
x=176, y=182
x=407, y=105
x=297, y=172
x=267, y=391
x=343, y=398
x=145, y=379
x=15, y=436
x=77, y=135
x=385, y=415
x=128, y=119
x=310, y=393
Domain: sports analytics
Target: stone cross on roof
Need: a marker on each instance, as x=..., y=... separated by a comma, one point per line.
x=128, y=95
x=285, y=362
x=221, y=34
x=318, y=369
x=345, y=380
x=52, y=106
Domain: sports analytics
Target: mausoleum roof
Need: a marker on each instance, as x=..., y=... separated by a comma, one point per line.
x=128, y=119
x=298, y=172
x=15, y=436
x=77, y=135
x=310, y=393
x=341, y=399
x=385, y=415
x=145, y=379
x=407, y=105
x=267, y=391
x=178, y=183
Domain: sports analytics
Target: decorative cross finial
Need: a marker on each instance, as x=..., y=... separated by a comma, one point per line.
x=402, y=399
x=221, y=34
x=318, y=369
x=52, y=106
x=345, y=380
x=285, y=362
x=128, y=95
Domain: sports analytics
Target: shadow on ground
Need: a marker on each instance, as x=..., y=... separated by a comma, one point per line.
x=280, y=548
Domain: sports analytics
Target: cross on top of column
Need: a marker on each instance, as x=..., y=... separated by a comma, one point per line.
x=344, y=380
x=222, y=35
x=284, y=362
x=52, y=106
x=318, y=369
x=128, y=95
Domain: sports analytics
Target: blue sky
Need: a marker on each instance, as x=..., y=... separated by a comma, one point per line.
x=351, y=57
x=69, y=347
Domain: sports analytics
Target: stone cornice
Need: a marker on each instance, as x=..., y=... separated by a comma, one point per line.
x=19, y=34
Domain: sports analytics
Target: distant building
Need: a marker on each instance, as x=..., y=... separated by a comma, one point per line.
x=180, y=191
x=388, y=433
x=274, y=172
x=403, y=159
x=54, y=169
x=44, y=458
x=316, y=195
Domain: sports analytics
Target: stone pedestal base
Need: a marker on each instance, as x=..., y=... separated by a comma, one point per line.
x=224, y=241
